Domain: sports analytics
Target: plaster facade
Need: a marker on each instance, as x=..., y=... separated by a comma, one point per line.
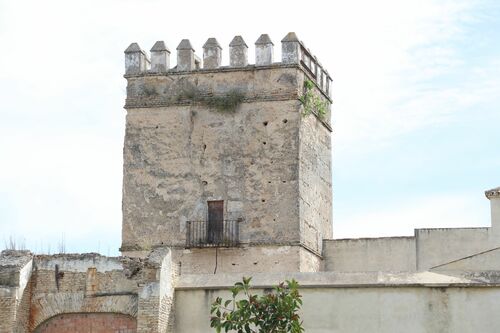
x=426, y=306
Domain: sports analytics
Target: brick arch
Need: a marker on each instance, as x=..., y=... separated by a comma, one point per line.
x=88, y=323
x=47, y=306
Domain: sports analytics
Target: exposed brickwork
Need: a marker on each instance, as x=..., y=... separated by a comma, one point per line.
x=87, y=291
x=23, y=310
x=89, y=323
x=148, y=315
x=7, y=313
x=15, y=290
x=86, y=283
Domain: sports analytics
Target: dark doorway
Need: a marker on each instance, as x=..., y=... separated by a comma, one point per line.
x=215, y=221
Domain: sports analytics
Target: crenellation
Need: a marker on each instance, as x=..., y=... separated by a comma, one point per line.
x=185, y=56
x=136, y=60
x=294, y=53
x=238, y=52
x=290, y=49
x=160, y=57
x=212, y=54
x=264, y=52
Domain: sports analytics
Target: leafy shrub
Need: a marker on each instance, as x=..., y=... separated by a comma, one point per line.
x=311, y=102
x=274, y=312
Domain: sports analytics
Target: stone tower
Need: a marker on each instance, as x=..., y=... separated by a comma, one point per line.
x=229, y=166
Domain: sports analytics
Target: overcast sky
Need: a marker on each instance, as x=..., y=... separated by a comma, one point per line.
x=416, y=110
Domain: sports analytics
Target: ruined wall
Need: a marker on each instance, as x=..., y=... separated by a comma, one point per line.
x=80, y=284
x=15, y=290
x=8, y=309
x=137, y=288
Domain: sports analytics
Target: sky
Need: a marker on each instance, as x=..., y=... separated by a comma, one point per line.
x=416, y=108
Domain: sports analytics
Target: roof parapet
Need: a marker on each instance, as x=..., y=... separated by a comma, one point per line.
x=293, y=52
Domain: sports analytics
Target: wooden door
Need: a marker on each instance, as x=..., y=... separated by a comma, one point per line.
x=215, y=221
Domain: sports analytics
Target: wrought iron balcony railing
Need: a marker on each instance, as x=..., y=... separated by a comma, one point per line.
x=212, y=233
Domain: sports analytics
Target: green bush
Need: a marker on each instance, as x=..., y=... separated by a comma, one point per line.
x=274, y=312
x=311, y=102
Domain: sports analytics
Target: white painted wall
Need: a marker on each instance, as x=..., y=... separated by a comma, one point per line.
x=440, y=246
x=384, y=309
x=429, y=248
x=370, y=254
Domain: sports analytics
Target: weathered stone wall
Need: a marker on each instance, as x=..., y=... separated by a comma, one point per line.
x=81, y=284
x=138, y=288
x=315, y=183
x=89, y=323
x=251, y=259
x=242, y=259
x=176, y=158
x=234, y=133
x=23, y=309
x=181, y=152
x=156, y=294
x=7, y=309
x=373, y=302
x=15, y=290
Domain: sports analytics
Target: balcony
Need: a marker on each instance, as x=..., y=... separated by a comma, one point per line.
x=222, y=233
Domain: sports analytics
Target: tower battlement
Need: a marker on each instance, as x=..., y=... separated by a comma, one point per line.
x=293, y=52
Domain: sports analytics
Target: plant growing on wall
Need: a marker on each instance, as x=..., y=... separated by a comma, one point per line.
x=226, y=103
x=147, y=91
x=312, y=102
x=274, y=312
